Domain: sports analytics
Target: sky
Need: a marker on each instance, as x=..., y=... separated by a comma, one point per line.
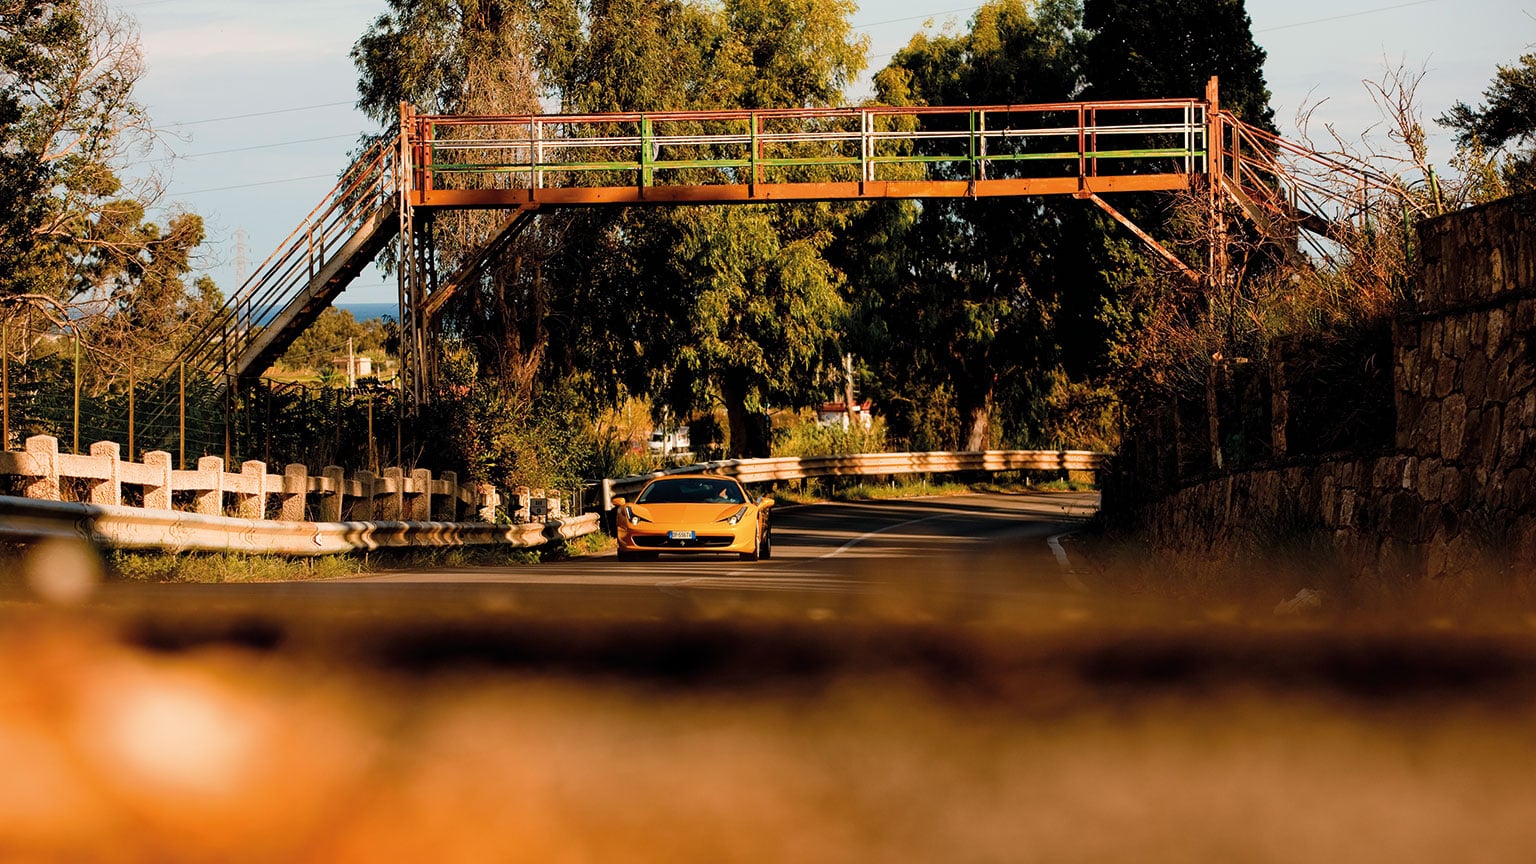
x=254, y=101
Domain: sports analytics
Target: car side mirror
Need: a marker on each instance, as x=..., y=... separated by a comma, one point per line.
x=618, y=502
x=764, y=502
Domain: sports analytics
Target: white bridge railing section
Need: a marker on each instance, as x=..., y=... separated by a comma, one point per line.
x=151, y=505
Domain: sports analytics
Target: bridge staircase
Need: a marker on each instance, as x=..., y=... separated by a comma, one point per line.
x=310, y=268
x=1293, y=193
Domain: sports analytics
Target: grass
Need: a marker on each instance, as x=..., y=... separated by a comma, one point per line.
x=214, y=568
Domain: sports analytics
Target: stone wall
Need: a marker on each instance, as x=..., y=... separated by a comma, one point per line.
x=1459, y=479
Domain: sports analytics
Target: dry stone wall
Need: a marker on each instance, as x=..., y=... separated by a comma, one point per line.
x=1460, y=482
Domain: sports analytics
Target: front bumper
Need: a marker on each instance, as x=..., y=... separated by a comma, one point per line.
x=715, y=537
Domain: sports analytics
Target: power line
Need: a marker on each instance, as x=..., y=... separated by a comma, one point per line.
x=917, y=17
x=1346, y=15
x=264, y=146
x=181, y=123
x=254, y=185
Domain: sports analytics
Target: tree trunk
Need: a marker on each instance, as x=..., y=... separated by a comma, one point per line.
x=747, y=441
x=976, y=414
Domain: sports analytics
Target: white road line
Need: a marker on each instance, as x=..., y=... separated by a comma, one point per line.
x=1067, y=575
x=865, y=536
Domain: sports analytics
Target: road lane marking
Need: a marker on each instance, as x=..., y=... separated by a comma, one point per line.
x=868, y=534
x=1067, y=574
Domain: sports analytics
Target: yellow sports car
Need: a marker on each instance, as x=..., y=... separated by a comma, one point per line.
x=693, y=513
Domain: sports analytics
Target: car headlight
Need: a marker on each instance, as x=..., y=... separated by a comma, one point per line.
x=631, y=516
x=735, y=517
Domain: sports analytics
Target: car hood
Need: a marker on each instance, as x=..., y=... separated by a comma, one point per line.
x=683, y=514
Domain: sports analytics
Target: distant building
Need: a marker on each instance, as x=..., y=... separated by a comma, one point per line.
x=362, y=367
x=836, y=414
x=664, y=443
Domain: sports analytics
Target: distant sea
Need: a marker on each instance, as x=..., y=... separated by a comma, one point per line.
x=369, y=311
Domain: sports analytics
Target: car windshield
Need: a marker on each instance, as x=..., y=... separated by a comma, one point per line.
x=692, y=490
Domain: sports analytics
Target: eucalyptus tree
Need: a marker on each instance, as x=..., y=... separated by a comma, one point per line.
x=77, y=249
x=690, y=305
x=958, y=297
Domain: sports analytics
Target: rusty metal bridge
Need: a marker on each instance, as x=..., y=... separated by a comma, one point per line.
x=528, y=163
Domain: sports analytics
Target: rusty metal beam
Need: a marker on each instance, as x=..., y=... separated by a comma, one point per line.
x=1146, y=238
x=780, y=192
x=508, y=231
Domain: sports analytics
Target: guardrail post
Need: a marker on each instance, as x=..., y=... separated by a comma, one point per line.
x=158, y=496
x=110, y=490
x=448, y=509
x=418, y=502
x=392, y=502
x=44, y=450
x=209, y=497
x=328, y=509
x=251, y=501
x=295, y=487
x=362, y=510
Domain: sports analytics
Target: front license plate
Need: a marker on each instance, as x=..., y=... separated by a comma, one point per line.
x=681, y=535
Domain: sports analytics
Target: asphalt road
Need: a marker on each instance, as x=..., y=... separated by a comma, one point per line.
x=832, y=547
x=958, y=559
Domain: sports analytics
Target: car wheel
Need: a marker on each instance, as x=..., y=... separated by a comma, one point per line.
x=765, y=549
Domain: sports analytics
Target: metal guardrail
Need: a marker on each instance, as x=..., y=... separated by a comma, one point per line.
x=118, y=527
x=871, y=465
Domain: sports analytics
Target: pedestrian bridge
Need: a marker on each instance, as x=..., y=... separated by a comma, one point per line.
x=525, y=164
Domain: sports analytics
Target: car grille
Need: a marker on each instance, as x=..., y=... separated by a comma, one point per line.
x=702, y=542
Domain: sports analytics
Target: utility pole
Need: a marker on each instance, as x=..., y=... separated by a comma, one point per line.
x=351, y=367
x=848, y=389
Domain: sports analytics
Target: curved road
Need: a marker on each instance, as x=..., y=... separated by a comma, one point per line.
x=964, y=556
x=849, y=547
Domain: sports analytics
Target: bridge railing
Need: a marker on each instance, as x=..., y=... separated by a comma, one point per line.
x=371, y=184
x=803, y=146
x=150, y=505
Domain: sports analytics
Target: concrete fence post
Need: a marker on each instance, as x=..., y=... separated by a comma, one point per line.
x=208, y=497
x=158, y=496
x=110, y=490
x=518, y=508
x=329, y=508
x=392, y=501
x=489, y=500
x=251, y=502
x=44, y=450
x=447, y=510
x=362, y=510
x=295, y=488
x=418, y=503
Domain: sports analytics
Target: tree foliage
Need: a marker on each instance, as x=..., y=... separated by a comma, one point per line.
x=76, y=246
x=690, y=305
x=1162, y=49
x=959, y=296
x=1504, y=125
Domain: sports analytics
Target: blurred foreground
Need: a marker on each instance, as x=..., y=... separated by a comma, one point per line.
x=164, y=726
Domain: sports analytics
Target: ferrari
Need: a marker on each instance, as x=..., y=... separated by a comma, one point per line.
x=693, y=513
